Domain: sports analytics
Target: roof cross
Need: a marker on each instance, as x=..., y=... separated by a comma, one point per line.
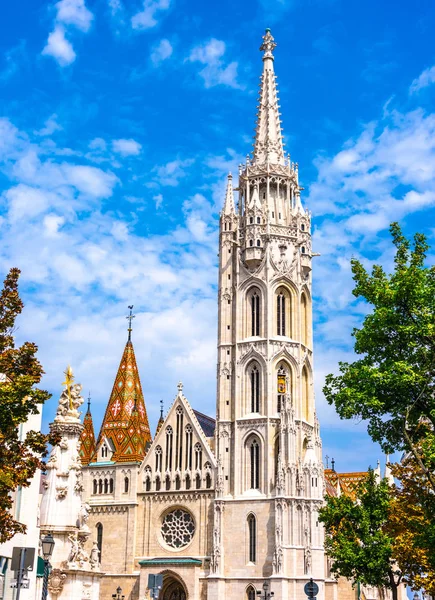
x=130, y=317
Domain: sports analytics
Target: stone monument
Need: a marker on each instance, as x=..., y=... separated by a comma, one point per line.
x=75, y=574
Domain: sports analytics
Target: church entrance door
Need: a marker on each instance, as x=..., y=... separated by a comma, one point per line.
x=172, y=590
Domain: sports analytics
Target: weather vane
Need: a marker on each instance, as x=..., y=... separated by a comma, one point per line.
x=130, y=317
x=69, y=378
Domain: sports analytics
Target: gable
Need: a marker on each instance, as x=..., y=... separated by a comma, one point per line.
x=180, y=456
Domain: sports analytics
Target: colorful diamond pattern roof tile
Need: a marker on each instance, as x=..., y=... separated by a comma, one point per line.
x=87, y=439
x=126, y=426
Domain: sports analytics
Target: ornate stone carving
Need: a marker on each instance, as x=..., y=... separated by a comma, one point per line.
x=94, y=558
x=215, y=561
x=219, y=479
x=69, y=402
x=56, y=581
x=307, y=561
x=61, y=492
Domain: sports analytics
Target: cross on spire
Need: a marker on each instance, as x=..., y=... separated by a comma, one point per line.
x=161, y=409
x=89, y=402
x=130, y=317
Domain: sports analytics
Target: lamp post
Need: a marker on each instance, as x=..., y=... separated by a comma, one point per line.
x=47, y=544
x=266, y=593
x=118, y=595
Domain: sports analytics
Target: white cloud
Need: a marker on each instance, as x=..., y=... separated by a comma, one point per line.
x=424, y=80
x=162, y=51
x=215, y=71
x=70, y=13
x=126, y=147
x=90, y=180
x=75, y=13
x=59, y=47
x=147, y=17
x=171, y=173
x=158, y=199
x=50, y=126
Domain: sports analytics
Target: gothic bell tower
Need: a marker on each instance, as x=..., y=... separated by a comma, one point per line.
x=270, y=475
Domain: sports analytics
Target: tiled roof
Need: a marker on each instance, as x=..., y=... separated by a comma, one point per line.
x=208, y=424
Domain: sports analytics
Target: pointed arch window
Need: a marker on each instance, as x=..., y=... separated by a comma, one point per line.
x=158, y=452
x=254, y=456
x=99, y=528
x=208, y=481
x=198, y=481
x=304, y=319
x=100, y=486
x=111, y=485
x=258, y=243
x=305, y=394
x=179, y=439
x=198, y=457
x=177, y=482
x=281, y=315
x=250, y=593
x=252, y=538
x=281, y=387
x=95, y=490
x=167, y=483
x=255, y=389
x=251, y=242
x=158, y=484
x=126, y=484
x=255, y=312
x=148, y=484
x=169, y=437
x=106, y=486
x=188, y=482
x=189, y=434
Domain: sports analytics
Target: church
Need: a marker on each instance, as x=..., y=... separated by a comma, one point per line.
x=221, y=507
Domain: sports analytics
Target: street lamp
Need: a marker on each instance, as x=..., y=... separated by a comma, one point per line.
x=118, y=595
x=47, y=544
x=266, y=594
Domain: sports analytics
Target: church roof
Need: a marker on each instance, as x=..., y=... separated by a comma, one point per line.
x=343, y=483
x=268, y=146
x=125, y=422
x=87, y=438
x=208, y=424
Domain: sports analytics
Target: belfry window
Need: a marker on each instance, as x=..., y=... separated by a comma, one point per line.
x=258, y=220
x=252, y=538
x=251, y=242
x=254, y=451
x=255, y=389
x=255, y=313
x=281, y=387
x=258, y=243
x=281, y=313
x=251, y=219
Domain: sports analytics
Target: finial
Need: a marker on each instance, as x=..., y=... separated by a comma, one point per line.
x=89, y=403
x=327, y=461
x=180, y=388
x=130, y=317
x=161, y=409
x=333, y=464
x=268, y=45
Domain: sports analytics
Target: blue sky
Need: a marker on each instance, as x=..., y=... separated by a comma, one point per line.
x=118, y=123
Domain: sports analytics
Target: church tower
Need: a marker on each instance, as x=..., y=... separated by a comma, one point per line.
x=270, y=476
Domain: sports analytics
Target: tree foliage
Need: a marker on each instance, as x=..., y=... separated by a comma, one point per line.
x=392, y=384
x=356, y=537
x=20, y=371
x=412, y=526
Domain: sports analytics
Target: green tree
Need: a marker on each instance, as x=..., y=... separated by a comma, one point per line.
x=392, y=385
x=356, y=538
x=20, y=371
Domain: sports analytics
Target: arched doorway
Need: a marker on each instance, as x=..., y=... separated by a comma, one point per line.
x=173, y=589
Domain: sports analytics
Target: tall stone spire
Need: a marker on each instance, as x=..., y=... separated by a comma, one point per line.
x=125, y=422
x=229, y=208
x=268, y=146
x=87, y=437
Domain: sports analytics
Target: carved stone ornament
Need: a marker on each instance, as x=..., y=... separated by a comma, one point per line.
x=307, y=561
x=61, y=492
x=56, y=582
x=86, y=590
x=94, y=558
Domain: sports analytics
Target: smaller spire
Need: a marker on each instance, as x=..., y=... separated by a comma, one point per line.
x=87, y=437
x=229, y=208
x=130, y=317
x=88, y=412
x=161, y=420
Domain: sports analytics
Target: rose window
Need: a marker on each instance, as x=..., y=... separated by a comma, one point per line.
x=178, y=528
